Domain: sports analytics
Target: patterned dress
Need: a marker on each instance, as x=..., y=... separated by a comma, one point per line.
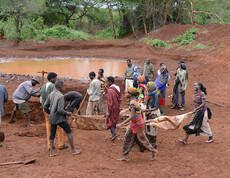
x=136, y=132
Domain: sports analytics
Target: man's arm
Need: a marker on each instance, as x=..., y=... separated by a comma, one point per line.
x=61, y=106
x=5, y=95
x=46, y=106
x=31, y=90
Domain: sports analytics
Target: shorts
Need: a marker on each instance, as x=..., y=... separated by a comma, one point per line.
x=64, y=125
x=22, y=107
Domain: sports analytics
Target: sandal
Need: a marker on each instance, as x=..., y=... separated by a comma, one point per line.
x=182, y=109
x=63, y=147
x=210, y=141
x=182, y=141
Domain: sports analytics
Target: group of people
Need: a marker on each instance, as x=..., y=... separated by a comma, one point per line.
x=147, y=101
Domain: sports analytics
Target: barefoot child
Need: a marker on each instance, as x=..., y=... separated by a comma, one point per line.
x=136, y=131
x=55, y=107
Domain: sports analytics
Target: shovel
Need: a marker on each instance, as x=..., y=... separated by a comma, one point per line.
x=19, y=162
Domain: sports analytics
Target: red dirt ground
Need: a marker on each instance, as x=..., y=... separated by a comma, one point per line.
x=98, y=158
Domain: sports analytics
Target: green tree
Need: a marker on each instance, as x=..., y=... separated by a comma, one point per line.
x=19, y=11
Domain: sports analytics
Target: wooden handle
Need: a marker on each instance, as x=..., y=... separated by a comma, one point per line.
x=81, y=103
x=217, y=104
x=10, y=163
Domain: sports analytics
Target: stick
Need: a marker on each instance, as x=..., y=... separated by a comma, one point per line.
x=19, y=162
x=163, y=116
x=217, y=104
x=81, y=103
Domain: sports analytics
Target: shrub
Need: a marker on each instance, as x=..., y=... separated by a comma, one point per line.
x=178, y=39
x=187, y=37
x=10, y=31
x=59, y=32
x=28, y=32
x=38, y=23
x=200, y=46
x=156, y=42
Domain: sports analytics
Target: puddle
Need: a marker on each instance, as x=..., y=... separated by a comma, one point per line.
x=75, y=68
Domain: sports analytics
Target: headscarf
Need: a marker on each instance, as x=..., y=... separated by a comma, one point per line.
x=132, y=90
x=162, y=79
x=152, y=90
x=142, y=79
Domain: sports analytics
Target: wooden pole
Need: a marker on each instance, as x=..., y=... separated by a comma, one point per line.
x=221, y=105
x=81, y=103
x=43, y=73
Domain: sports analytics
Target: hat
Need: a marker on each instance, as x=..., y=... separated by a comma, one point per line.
x=37, y=79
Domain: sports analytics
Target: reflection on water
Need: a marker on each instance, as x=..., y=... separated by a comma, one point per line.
x=65, y=67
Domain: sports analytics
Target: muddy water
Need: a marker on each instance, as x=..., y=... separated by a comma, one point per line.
x=76, y=68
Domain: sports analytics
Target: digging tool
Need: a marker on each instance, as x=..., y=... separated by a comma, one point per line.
x=19, y=162
x=81, y=103
x=221, y=105
x=43, y=73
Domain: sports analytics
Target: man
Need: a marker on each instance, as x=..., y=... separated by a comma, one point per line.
x=22, y=94
x=75, y=99
x=45, y=91
x=55, y=107
x=102, y=79
x=3, y=99
x=94, y=92
x=148, y=70
x=128, y=78
x=114, y=97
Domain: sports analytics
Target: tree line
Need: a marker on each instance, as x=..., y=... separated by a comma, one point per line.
x=113, y=17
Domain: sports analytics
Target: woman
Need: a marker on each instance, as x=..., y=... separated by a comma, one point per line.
x=161, y=83
x=180, y=86
x=152, y=102
x=199, y=124
x=135, y=75
x=142, y=88
x=136, y=131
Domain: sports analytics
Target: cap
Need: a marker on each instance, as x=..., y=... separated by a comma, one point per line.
x=37, y=79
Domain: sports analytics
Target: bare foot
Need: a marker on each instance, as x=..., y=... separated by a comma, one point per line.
x=154, y=155
x=63, y=147
x=11, y=121
x=76, y=152
x=124, y=158
x=53, y=154
x=29, y=124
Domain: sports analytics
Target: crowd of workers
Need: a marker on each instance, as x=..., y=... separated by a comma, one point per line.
x=147, y=95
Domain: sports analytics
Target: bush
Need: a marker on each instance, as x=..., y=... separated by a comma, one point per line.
x=10, y=31
x=200, y=46
x=178, y=39
x=156, y=42
x=28, y=32
x=187, y=37
x=38, y=23
x=59, y=32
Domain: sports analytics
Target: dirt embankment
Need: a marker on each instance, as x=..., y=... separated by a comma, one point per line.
x=98, y=158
